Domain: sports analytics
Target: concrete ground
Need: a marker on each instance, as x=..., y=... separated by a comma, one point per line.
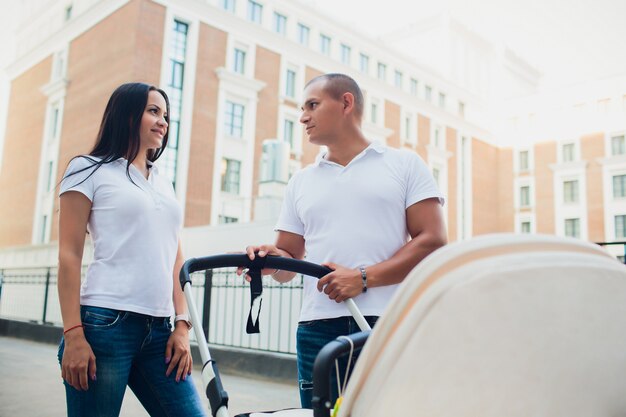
x=30, y=385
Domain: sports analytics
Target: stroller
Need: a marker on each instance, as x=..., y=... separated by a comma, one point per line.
x=322, y=390
x=499, y=325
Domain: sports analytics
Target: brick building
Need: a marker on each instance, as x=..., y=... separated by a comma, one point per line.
x=234, y=71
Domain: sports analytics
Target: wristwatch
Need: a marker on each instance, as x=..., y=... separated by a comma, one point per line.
x=183, y=317
x=363, y=278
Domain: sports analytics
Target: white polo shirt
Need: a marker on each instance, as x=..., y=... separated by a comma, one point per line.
x=354, y=216
x=134, y=229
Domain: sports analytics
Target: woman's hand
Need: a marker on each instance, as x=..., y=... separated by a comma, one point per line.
x=178, y=352
x=78, y=361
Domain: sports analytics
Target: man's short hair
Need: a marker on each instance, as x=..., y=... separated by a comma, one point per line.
x=338, y=84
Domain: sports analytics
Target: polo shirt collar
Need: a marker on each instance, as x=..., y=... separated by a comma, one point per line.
x=374, y=146
x=153, y=167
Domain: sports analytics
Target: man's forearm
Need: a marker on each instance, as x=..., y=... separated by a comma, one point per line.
x=396, y=268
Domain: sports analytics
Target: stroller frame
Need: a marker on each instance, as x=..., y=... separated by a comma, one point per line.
x=218, y=397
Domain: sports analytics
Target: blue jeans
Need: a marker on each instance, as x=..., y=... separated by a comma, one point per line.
x=130, y=350
x=311, y=337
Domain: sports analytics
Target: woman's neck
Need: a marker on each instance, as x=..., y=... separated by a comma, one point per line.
x=141, y=163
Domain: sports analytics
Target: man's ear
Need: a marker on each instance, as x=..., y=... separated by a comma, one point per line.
x=348, y=102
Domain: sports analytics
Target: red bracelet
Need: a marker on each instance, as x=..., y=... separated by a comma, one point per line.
x=72, y=328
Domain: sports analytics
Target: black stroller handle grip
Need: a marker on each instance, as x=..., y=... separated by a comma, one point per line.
x=258, y=263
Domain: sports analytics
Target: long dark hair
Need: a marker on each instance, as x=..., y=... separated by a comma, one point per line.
x=119, y=132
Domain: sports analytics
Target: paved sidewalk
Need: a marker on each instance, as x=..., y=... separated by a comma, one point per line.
x=30, y=385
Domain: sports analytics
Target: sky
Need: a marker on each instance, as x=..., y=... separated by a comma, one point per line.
x=568, y=41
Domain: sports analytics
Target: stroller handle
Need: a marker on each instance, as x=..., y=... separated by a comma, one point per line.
x=258, y=263
x=242, y=260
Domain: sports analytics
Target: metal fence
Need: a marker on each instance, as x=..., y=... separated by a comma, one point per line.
x=617, y=249
x=222, y=299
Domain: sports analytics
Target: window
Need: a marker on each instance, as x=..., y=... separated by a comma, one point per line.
x=619, y=186
x=228, y=5
x=54, y=126
x=438, y=139
x=288, y=133
x=407, y=128
x=290, y=83
x=230, y=175
x=234, y=119
x=382, y=71
x=176, y=54
x=618, y=145
x=68, y=12
x=239, y=61
x=524, y=196
x=226, y=219
x=523, y=161
x=525, y=227
x=374, y=113
x=620, y=226
x=280, y=23
x=324, y=44
x=59, y=67
x=436, y=175
x=255, y=11
x=603, y=106
x=568, y=152
x=572, y=227
x=50, y=174
x=570, y=191
x=442, y=100
x=346, y=51
x=428, y=93
x=44, y=229
x=303, y=34
x=461, y=109
x=398, y=78
x=364, y=63
x=414, y=87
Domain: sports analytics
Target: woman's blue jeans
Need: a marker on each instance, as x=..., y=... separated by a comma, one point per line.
x=311, y=337
x=130, y=350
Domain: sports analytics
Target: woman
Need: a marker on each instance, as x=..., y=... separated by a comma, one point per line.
x=117, y=330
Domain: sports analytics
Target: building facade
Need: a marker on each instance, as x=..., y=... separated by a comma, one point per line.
x=235, y=70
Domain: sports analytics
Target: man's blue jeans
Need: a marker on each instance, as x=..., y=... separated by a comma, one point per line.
x=311, y=337
x=130, y=350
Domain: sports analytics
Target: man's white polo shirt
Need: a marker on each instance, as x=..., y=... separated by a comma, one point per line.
x=134, y=229
x=354, y=216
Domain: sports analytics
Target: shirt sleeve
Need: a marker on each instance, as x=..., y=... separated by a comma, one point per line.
x=79, y=176
x=420, y=182
x=288, y=220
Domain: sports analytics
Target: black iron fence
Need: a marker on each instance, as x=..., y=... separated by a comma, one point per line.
x=222, y=299
x=618, y=249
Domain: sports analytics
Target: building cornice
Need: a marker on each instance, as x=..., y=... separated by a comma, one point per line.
x=56, y=88
x=569, y=166
x=250, y=84
x=612, y=161
x=71, y=30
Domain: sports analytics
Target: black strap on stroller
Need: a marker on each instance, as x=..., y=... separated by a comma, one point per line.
x=218, y=398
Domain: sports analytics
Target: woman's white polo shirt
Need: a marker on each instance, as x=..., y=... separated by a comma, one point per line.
x=134, y=228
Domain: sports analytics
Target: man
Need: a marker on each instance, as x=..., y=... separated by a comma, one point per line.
x=353, y=210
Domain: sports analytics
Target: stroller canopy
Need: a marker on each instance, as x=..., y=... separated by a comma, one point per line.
x=501, y=325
